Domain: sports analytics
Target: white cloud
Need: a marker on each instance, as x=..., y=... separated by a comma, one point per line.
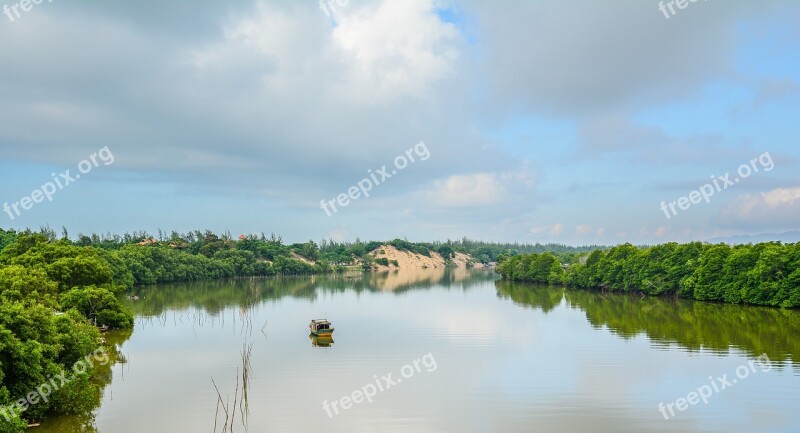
x=782, y=197
x=775, y=209
x=583, y=229
x=396, y=49
x=480, y=189
x=376, y=53
x=554, y=230
x=662, y=231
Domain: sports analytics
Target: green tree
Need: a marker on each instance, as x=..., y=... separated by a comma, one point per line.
x=99, y=305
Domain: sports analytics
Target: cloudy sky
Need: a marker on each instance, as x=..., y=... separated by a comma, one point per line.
x=568, y=121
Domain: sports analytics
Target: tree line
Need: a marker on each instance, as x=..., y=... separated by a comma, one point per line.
x=329, y=254
x=481, y=251
x=760, y=274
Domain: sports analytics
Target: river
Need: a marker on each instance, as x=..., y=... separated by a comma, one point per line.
x=444, y=351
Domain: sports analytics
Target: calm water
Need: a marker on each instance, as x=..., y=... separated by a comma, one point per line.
x=500, y=358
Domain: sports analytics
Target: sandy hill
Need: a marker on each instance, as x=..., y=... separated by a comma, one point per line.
x=409, y=260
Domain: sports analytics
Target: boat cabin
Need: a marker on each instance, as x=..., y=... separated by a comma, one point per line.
x=321, y=327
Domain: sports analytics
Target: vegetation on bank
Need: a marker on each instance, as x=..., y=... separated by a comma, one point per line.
x=761, y=274
x=51, y=296
x=203, y=255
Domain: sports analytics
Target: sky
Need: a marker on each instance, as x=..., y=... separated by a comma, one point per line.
x=580, y=122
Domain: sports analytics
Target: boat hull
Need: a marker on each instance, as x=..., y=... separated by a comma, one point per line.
x=317, y=341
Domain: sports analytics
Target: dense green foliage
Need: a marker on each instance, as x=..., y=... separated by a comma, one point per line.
x=536, y=268
x=51, y=295
x=139, y=258
x=486, y=252
x=762, y=274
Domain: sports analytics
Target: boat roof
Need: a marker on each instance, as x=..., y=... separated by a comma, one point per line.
x=320, y=321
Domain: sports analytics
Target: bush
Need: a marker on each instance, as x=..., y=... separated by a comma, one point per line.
x=99, y=305
x=14, y=424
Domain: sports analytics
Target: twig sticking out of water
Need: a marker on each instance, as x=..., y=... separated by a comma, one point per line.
x=263, y=328
x=224, y=408
x=240, y=398
x=247, y=351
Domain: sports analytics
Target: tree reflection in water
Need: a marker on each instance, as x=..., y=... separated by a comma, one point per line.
x=692, y=325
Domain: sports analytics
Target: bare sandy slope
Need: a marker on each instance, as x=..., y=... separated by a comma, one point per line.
x=301, y=258
x=461, y=259
x=409, y=260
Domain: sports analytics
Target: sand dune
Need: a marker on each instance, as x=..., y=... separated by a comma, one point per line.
x=409, y=260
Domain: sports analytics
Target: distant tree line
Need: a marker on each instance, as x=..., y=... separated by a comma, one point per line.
x=481, y=251
x=203, y=255
x=761, y=274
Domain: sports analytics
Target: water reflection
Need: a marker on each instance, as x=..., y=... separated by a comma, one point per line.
x=320, y=341
x=689, y=324
x=214, y=296
x=103, y=375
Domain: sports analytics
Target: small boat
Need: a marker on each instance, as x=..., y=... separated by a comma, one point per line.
x=321, y=328
x=103, y=328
